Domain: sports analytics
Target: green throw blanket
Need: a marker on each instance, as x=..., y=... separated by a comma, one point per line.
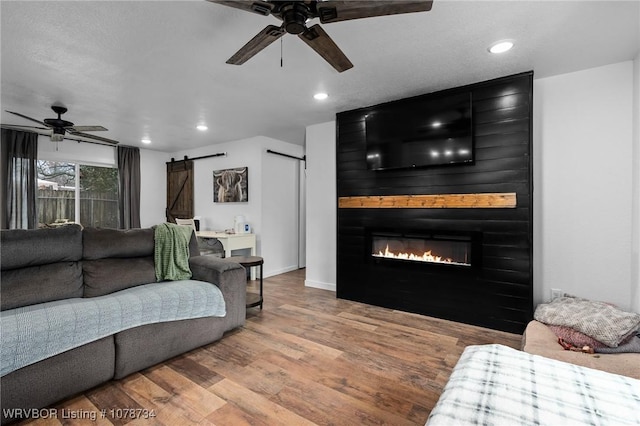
x=171, y=252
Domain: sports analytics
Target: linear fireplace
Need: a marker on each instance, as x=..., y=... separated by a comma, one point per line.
x=445, y=249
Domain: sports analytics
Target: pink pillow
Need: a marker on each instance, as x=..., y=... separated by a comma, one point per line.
x=574, y=337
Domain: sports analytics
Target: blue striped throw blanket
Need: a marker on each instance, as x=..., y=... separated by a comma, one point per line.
x=33, y=333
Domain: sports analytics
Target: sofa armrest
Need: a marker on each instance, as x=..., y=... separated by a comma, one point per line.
x=538, y=339
x=231, y=278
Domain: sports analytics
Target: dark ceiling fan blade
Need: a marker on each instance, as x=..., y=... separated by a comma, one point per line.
x=87, y=135
x=27, y=117
x=38, y=130
x=263, y=39
x=96, y=142
x=87, y=129
x=320, y=41
x=18, y=127
x=342, y=10
x=259, y=7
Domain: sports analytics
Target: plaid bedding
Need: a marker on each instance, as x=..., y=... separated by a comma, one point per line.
x=497, y=385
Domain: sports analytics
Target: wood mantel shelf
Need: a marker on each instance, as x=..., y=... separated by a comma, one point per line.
x=433, y=201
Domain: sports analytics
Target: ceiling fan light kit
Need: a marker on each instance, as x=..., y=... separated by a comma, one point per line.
x=57, y=135
x=296, y=14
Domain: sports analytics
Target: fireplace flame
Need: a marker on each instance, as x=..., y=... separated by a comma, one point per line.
x=425, y=257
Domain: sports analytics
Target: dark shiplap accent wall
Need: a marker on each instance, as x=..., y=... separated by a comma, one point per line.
x=500, y=295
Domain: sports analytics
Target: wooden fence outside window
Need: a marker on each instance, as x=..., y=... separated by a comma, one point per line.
x=57, y=207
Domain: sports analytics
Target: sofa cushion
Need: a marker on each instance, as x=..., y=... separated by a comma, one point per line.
x=141, y=347
x=100, y=243
x=33, y=247
x=50, y=380
x=38, y=284
x=104, y=276
x=115, y=259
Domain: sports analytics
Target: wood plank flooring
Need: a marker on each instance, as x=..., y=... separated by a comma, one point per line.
x=306, y=359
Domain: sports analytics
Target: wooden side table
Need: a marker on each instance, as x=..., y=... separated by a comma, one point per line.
x=253, y=299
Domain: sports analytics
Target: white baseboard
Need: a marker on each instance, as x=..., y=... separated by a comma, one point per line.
x=321, y=285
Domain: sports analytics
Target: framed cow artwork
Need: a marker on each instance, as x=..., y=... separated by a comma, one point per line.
x=231, y=185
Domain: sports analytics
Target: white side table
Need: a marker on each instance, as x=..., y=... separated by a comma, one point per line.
x=232, y=242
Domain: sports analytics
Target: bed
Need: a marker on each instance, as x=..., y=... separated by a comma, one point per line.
x=498, y=385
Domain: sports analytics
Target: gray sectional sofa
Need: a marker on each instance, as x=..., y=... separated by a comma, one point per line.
x=81, y=307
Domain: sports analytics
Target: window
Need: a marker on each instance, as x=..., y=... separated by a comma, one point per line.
x=80, y=193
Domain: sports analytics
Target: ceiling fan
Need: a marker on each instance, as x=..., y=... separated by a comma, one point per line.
x=59, y=129
x=296, y=14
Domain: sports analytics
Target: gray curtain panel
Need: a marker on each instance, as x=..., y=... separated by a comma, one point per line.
x=19, y=183
x=129, y=186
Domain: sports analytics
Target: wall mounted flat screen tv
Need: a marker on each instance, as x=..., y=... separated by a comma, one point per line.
x=419, y=132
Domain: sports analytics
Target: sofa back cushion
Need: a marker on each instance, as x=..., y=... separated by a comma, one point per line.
x=102, y=243
x=40, y=265
x=32, y=247
x=115, y=259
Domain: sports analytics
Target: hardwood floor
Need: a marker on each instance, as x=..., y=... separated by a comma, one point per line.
x=306, y=359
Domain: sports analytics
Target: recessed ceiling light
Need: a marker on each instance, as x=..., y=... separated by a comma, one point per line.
x=201, y=127
x=146, y=141
x=501, y=46
x=320, y=96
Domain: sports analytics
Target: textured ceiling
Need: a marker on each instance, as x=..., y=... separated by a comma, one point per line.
x=156, y=69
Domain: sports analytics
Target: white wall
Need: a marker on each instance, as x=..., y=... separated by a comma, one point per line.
x=220, y=216
x=321, y=206
x=635, y=253
x=302, y=216
x=270, y=178
x=583, y=184
x=153, y=187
